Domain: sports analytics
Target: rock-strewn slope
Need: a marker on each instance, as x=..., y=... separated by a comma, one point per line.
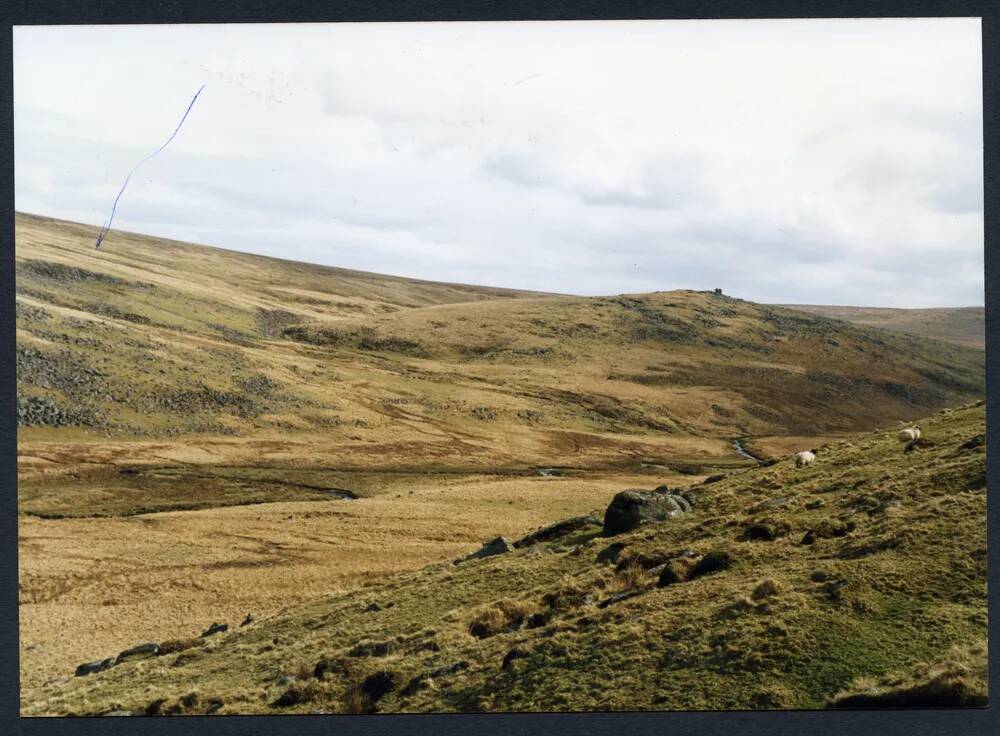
x=779, y=588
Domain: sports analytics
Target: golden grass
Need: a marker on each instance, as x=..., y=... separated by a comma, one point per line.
x=169, y=575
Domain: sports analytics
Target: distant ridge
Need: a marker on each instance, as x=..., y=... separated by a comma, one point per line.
x=958, y=325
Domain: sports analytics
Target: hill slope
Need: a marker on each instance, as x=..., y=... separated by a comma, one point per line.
x=959, y=325
x=171, y=396
x=149, y=338
x=870, y=561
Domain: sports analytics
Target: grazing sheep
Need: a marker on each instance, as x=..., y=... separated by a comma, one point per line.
x=804, y=458
x=909, y=434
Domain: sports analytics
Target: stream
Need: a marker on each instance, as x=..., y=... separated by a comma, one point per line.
x=738, y=446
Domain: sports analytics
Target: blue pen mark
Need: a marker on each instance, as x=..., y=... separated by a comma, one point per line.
x=107, y=226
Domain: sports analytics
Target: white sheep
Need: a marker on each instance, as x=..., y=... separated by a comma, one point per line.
x=804, y=458
x=910, y=434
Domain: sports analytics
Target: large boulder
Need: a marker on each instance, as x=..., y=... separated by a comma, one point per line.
x=635, y=506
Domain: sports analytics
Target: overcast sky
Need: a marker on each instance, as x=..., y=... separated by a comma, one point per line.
x=825, y=161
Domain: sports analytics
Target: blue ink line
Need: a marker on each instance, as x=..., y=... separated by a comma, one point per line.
x=107, y=226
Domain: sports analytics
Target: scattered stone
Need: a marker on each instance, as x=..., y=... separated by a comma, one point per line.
x=449, y=669
x=513, y=654
x=610, y=554
x=247, y=621
x=817, y=504
x=633, y=507
x=672, y=572
x=773, y=503
x=372, y=649
x=422, y=682
x=537, y=620
x=832, y=589
x=89, y=668
x=764, y=532
x=372, y=608
x=327, y=666
x=176, y=645
x=619, y=597
x=142, y=650
x=557, y=530
x=710, y=563
x=190, y=700
x=828, y=530
x=646, y=562
x=418, y=683
x=498, y=546
x=377, y=686
x=215, y=628
x=713, y=479
x=292, y=696
x=184, y=657
x=973, y=442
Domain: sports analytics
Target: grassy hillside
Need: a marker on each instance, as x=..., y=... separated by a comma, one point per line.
x=836, y=577
x=959, y=325
x=203, y=433
x=150, y=338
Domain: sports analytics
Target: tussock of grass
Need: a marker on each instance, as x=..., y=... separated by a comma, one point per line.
x=958, y=680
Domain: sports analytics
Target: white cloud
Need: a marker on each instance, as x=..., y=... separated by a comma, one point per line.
x=834, y=161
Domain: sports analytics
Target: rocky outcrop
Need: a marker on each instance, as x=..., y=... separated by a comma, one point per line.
x=139, y=651
x=559, y=529
x=215, y=628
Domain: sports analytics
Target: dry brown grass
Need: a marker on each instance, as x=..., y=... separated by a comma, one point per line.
x=959, y=325
x=170, y=574
x=766, y=588
x=354, y=702
x=501, y=616
x=630, y=577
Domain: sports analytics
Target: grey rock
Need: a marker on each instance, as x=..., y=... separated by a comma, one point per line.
x=610, y=554
x=215, y=628
x=618, y=597
x=141, y=650
x=498, y=546
x=559, y=529
x=89, y=668
x=633, y=507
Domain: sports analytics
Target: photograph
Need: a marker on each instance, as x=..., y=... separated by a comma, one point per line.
x=553, y=366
